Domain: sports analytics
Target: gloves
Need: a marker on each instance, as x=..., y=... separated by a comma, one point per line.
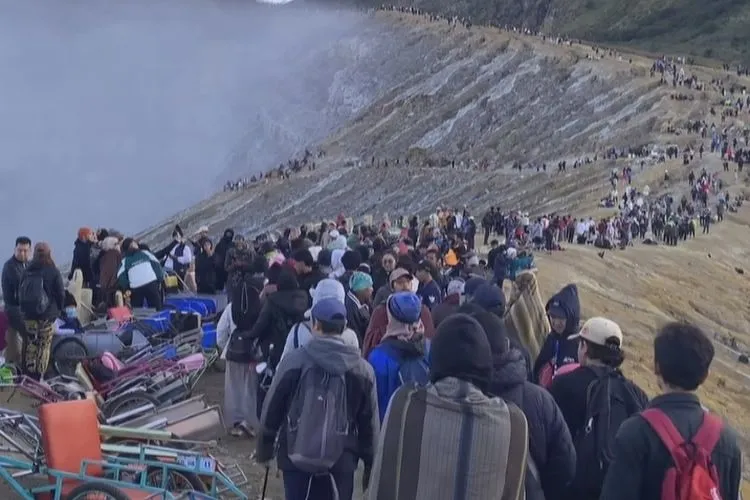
x=366, y=478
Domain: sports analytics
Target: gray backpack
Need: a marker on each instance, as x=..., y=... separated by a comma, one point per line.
x=318, y=420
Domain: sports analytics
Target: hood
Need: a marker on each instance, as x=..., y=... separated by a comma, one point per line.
x=458, y=390
x=109, y=243
x=509, y=371
x=332, y=354
x=292, y=302
x=406, y=349
x=566, y=301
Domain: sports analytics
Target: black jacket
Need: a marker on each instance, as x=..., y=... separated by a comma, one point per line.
x=82, y=261
x=13, y=269
x=641, y=460
x=357, y=316
x=550, y=443
x=281, y=310
x=205, y=273
x=558, y=348
x=53, y=286
x=311, y=279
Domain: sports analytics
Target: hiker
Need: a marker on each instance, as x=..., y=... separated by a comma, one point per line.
x=241, y=355
x=357, y=302
x=349, y=263
x=308, y=271
x=429, y=291
x=401, y=281
x=82, y=256
x=220, y=255
x=451, y=437
x=302, y=332
x=177, y=256
x=400, y=357
x=564, y=311
x=238, y=262
x=454, y=297
x=282, y=309
x=323, y=406
x=647, y=450
x=205, y=271
x=13, y=270
x=141, y=273
x=41, y=297
x=550, y=446
x=109, y=262
x=595, y=399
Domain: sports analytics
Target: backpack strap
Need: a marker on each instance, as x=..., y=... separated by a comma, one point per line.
x=518, y=448
x=709, y=433
x=296, y=335
x=669, y=435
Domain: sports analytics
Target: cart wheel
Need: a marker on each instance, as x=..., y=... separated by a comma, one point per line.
x=177, y=481
x=128, y=401
x=67, y=354
x=97, y=491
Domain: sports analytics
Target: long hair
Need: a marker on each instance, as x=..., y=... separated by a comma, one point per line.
x=43, y=254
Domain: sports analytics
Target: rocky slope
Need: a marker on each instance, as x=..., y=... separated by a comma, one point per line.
x=716, y=29
x=484, y=98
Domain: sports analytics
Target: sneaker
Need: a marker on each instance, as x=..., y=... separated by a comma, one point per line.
x=236, y=431
x=246, y=429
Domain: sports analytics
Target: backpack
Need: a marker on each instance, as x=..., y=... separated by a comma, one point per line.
x=411, y=370
x=610, y=400
x=32, y=297
x=241, y=347
x=693, y=475
x=318, y=420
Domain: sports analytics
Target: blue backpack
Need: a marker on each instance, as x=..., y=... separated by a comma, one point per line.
x=410, y=370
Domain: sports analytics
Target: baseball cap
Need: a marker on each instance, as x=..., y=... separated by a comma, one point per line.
x=456, y=287
x=597, y=330
x=329, y=310
x=399, y=272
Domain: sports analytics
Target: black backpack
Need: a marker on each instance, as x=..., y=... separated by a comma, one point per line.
x=246, y=307
x=610, y=400
x=32, y=297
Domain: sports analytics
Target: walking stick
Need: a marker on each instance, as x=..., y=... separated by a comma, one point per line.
x=265, y=483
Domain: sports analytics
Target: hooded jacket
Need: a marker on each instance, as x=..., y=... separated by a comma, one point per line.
x=139, y=269
x=550, y=442
x=281, y=310
x=335, y=357
x=559, y=349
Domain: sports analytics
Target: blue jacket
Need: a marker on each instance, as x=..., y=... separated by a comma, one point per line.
x=556, y=346
x=386, y=360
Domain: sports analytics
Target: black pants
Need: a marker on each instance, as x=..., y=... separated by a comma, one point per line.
x=147, y=296
x=300, y=485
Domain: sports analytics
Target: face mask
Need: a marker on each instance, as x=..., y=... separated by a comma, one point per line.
x=71, y=312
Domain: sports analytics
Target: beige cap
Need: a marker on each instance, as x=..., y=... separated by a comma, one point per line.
x=399, y=272
x=597, y=330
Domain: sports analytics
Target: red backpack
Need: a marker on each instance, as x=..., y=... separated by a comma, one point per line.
x=693, y=476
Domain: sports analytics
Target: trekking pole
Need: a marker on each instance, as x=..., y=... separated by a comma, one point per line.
x=265, y=483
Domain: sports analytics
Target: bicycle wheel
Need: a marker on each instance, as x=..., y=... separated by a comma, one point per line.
x=66, y=355
x=177, y=481
x=97, y=491
x=128, y=401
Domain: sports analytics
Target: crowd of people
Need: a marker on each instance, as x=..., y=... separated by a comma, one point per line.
x=347, y=344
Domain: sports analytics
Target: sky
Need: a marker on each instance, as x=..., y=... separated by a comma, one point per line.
x=120, y=114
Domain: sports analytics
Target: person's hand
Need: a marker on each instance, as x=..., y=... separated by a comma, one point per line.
x=366, y=478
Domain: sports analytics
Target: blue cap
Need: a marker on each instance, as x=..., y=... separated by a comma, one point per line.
x=329, y=310
x=405, y=307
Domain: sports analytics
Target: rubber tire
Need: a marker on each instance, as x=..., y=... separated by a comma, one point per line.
x=67, y=340
x=110, y=405
x=97, y=487
x=194, y=480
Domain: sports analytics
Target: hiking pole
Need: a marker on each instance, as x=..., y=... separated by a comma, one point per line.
x=265, y=483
